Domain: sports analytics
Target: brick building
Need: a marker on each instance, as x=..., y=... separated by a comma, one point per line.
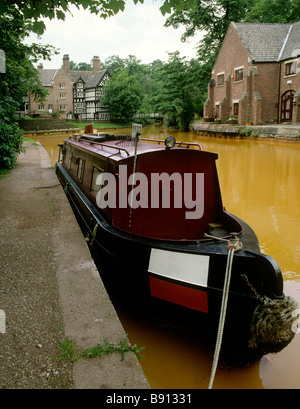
x=256, y=76
x=73, y=93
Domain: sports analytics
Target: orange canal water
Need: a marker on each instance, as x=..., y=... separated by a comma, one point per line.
x=260, y=183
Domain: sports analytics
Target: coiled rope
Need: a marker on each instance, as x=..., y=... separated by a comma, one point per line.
x=233, y=245
x=272, y=324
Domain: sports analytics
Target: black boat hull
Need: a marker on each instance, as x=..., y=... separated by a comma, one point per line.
x=128, y=271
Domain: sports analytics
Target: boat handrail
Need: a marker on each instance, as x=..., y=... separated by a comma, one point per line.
x=188, y=144
x=106, y=145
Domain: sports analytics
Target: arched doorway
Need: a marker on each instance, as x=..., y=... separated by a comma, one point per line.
x=287, y=106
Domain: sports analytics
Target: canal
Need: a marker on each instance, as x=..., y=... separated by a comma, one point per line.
x=259, y=181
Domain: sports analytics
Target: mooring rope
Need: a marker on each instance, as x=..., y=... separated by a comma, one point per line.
x=233, y=245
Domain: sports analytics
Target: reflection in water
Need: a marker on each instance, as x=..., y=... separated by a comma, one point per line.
x=260, y=184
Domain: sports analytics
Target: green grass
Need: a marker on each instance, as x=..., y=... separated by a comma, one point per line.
x=70, y=351
x=4, y=172
x=31, y=141
x=105, y=125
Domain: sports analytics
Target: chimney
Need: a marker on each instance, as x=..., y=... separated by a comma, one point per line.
x=96, y=64
x=40, y=66
x=66, y=63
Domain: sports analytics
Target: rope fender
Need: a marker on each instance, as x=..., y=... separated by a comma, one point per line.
x=271, y=325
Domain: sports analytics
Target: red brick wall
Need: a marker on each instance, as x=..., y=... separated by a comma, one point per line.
x=266, y=82
x=231, y=55
x=54, y=96
x=260, y=82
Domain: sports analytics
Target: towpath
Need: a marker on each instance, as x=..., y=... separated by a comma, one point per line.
x=50, y=290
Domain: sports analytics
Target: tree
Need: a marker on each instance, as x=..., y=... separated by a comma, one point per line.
x=17, y=19
x=122, y=96
x=81, y=66
x=37, y=9
x=20, y=77
x=274, y=11
x=140, y=87
x=114, y=64
x=176, y=99
x=213, y=18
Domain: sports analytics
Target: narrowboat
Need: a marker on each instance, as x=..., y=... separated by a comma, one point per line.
x=153, y=215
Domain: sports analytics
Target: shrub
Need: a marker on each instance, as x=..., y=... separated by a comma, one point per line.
x=11, y=139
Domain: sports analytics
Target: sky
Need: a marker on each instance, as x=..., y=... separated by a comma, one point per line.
x=138, y=31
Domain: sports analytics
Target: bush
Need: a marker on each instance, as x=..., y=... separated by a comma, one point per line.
x=11, y=139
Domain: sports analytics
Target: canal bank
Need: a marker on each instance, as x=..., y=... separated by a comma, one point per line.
x=277, y=131
x=51, y=290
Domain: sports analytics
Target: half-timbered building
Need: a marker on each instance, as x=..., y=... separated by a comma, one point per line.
x=73, y=93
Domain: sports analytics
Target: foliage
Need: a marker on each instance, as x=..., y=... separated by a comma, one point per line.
x=179, y=94
x=122, y=96
x=69, y=350
x=250, y=132
x=10, y=144
x=17, y=20
x=132, y=88
x=103, y=125
x=81, y=66
x=20, y=77
x=274, y=11
x=36, y=10
x=176, y=89
x=114, y=64
x=213, y=18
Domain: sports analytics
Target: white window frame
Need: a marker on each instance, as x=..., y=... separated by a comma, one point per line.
x=241, y=67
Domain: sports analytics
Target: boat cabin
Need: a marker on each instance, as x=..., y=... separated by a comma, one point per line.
x=161, y=192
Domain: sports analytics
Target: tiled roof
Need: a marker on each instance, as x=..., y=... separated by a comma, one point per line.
x=292, y=46
x=90, y=79
x=269, y=42
x=46, y=76
x=84, y=75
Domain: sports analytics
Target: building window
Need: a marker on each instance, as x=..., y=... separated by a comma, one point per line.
x=41, y=107
x=239, y=74
x=80, y=170
x=217, y=110
x=62, y=107
x=291, y=68
x=62, y=96
x=62, y=85
x=236, y=109
x=220, y=79
x=50, y=106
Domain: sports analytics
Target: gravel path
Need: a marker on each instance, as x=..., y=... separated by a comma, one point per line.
x=50, y=290
x=28, y=285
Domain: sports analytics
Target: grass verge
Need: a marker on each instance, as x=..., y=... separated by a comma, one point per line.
x=4, y=172
x=69, y=350
x=102, y=125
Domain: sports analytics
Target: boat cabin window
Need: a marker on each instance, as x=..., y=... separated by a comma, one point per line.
x=72, y=159
x=95, y=185
x=80, y=170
